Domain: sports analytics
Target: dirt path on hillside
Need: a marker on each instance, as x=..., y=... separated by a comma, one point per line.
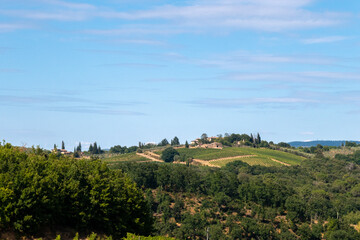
x=229, y=158
x=286, y=164
x=149, y=157
x=206, y=163
x=153, y=154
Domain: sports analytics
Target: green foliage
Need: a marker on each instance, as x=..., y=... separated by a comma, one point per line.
x=168, y=154
x=135, y=237
x=164, y=142
x=41, y=190
x=175, y=141
x=240, y=201
x=284, y=145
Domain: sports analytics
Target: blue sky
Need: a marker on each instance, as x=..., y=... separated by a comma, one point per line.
x=121, y=71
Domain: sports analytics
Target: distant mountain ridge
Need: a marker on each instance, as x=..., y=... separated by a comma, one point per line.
x=335, y=143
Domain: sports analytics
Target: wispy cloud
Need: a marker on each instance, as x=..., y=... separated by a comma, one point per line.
x=66, y=103
x=258, y=15
x=329, y=39
x=234, y=60
x=136, y=65
x=9, y=27
x=139, y=42
x=310, y=77
x=195, y=16
x=59, y=15
x=308, y=133
x=95, y=110
x=245, y=102
x=71, y=5
x=296, y=100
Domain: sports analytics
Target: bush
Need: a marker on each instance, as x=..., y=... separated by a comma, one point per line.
x=168, y=154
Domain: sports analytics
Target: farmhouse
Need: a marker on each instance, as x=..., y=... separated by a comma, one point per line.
x=215, y=145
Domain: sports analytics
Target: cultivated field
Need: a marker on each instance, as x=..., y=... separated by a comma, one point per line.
x=220, y=157
x=127, y=157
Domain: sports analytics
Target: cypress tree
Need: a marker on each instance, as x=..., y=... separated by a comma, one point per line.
x=95, y=149
x=79, y=147
x=91, y=148
x=62, y=145
x=258, y=139
x=186, y=144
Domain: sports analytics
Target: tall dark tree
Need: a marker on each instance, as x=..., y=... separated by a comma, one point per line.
x=95, y=149
x=251, y=138
x=258, y=139
x=55, y=147
x=164, y=142
x=78, y=149
x=175, y=141
x=99, y=150
x=91, y=148
x=186, y=144
x=62, y=145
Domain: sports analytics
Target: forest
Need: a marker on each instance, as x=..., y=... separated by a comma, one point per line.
x=316, y=199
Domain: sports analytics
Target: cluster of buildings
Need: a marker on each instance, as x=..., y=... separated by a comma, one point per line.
x=210, y=143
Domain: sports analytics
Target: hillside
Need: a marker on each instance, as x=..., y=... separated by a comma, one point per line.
x=252, y=156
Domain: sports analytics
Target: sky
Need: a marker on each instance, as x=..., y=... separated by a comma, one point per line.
x=120, y=72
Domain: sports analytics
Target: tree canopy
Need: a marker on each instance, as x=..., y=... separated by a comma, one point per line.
x=168, y=154
x=39, y=190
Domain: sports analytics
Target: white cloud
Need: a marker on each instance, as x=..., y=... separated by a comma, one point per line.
x=9, y=27
x=210, y=15
x=311, y=77
x=244, y=102
x=70, y=5
x=329, y=39
x=235, y=61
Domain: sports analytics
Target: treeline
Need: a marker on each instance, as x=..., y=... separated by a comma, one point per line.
x=40, y=190
x=319, y=199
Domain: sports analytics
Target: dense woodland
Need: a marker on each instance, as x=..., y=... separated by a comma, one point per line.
x=42, y=191
x=318, y=199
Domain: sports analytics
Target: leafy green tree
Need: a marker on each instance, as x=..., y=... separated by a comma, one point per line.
x=168, y=154
x=62, y=145
x=38, y=191
x=204, y=138
x=186, y=144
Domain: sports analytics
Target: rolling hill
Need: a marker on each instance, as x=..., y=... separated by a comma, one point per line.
x=220, y=157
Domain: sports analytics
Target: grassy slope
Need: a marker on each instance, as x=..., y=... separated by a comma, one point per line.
x=263, y=156
x=127, y=157
x=251, y=161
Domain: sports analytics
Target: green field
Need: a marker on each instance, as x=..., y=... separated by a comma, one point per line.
x=262, y=156
x=262, y=161
x=127, y=157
